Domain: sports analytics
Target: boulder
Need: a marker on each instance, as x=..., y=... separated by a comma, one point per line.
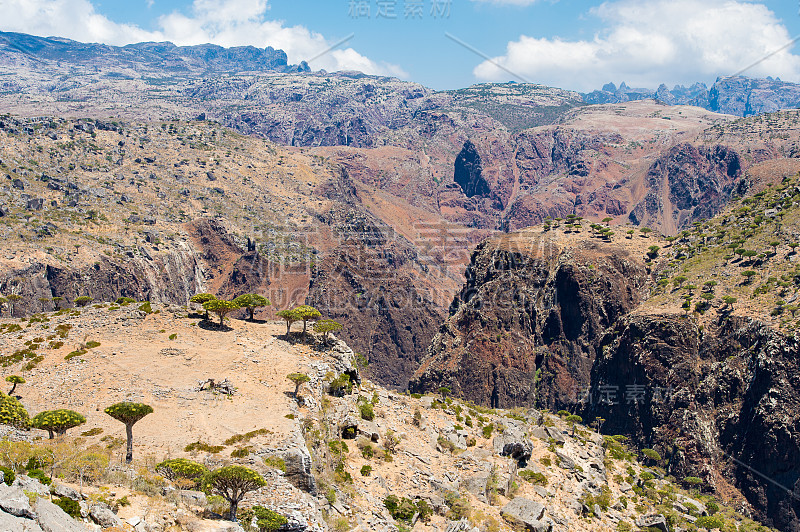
x=14, y=501
x=527, y=512
x=461, y=526
x=476, y=485
x=298, y=469
x=17, y=524
x=519, y=450
x=51, y=518
x=656, y=521
x=369, y=430
x=103, y=516
x=26, y=483
x=197, y=498
x=693, y=504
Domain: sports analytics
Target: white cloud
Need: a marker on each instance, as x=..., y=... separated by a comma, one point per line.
x=647, y=42
x=223, y=22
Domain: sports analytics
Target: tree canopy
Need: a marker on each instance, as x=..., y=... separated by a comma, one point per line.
x=128, y=413
x=326, y=327
x=306, y=313
x=220, y=307
x=13, y=413
x=181, y=468
x=57, y=421
x=251, y=302
x=233, y=482
x=14, y=380
x=290, y=316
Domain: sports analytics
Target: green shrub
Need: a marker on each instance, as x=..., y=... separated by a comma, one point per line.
x=276, y=461
x=247, y=436
x=8, y=475
x=460, y=507
x=710, y=522
x=203, y=447
x=366, y=469
x=340, y=386
x=146, y=307
x=487, y=431
x=267, y=520
x=70, y=507
x=533, y=477
x=445, y=444
x=125, y=301
x=603, y=500
x=367, y=413
x=41, y=476
x=241, y=452
x=403, y=509
x=367, y=452
x=82, y=301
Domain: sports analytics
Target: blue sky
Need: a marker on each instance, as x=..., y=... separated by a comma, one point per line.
x=575, y=44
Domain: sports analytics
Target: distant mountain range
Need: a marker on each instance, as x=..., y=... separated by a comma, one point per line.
x=738, y=95
x=201, y=60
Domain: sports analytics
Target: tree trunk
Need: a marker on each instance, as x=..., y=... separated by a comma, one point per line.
x=221, y=317
x=129, y=451
x=50, y=432
x=234, y=508
x=13, y=387
x=288, y=328
x=252, y=314
x=304, y=328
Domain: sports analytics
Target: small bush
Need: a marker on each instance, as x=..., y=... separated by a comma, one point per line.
x=710, y=522
x=204, y=447
x=41, y=476
x=70, y=507
x=366, y=470
x=533, y=477
x=8, y=475
x=460, y=507
x=146, y=307
x=487, y=431
x=367, y=413
x=341, y=386
x=276, y=462
x=368, y=452
x=445, y=444
x=241, y=452
x=239, y=438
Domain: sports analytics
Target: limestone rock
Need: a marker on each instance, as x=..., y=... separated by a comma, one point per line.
x=657, y=521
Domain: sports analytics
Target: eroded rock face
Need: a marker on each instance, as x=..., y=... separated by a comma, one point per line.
x=468, y=172
x=722, y=403
x=688, y=183
x=525, y=326
x=372, y=282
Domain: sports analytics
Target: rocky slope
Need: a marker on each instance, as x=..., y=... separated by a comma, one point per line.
x=334, y=458
x=689, y=349
x=107, y=210
x=525, y=327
